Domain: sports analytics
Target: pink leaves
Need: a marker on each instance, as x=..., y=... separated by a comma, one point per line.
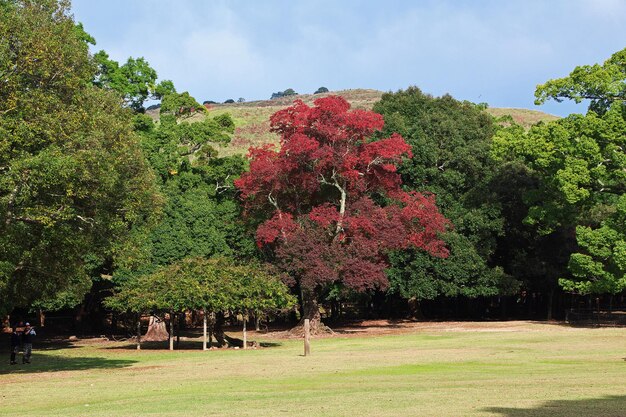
x=324, y=215
x=325, y=155
x=389, y=150
x=280, y=226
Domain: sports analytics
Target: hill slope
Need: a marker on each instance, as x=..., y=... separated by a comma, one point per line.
x=252, y=118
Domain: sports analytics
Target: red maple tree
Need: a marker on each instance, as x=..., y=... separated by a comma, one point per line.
x=319, y=194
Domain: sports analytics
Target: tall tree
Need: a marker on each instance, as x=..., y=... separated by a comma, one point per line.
x=202, y=214
x=331, y=201
x=580, y=163
x=450, y=143
x=73, y=176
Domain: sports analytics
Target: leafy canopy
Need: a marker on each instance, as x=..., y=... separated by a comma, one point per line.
x=134, y=81
x=450, y=146
x=580, y=162
x=318, y=197
x=602, y=84
x=73, y=179
x=216, y=285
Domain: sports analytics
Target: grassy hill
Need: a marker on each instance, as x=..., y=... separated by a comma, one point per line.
x=252, y=118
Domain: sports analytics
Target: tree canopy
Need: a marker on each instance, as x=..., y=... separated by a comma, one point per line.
x=320, y=194
x=215, y=285
x=73, y=179
x=134, y=81
x=601, y=84
x=450, y=145
x=580, y=164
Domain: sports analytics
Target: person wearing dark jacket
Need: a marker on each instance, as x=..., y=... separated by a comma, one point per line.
x=27, y=342
x=15, y=344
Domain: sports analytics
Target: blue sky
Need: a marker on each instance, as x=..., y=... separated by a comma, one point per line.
x=483, y=51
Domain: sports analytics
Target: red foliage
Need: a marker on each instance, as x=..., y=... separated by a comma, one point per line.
x=324, y=153
x=281, y=225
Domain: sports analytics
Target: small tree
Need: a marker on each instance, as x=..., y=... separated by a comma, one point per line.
x=211, y=285
x=321, y=90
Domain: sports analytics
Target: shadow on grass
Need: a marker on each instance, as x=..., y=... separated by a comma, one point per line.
x=270, y=344
x=610, y=406
x=56, y=363
x=184, y=345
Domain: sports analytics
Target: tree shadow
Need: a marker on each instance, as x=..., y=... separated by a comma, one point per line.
x=56, y=363
x=270, y=344
x=50, y=343
x=184, y=345
x=609, y=406
x=55, y=344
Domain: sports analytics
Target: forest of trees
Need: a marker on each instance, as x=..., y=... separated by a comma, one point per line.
x=423, y=206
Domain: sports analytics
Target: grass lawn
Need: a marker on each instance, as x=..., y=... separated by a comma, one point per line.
x=531, y=370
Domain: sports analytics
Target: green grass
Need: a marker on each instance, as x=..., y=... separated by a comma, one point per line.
x=532, y=371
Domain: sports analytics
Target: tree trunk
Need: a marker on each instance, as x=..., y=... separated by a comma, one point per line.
x=219, y=329
x=139, y=332
x=113, y=323
x=415, y=308
x=171, y=334
x=311, y=311
x=211, y=327
x=178, y=327
x=42, y=318
x=245, y=332
x=157, y=332
x=180, y=323
x=78, y=319
x=204, y=327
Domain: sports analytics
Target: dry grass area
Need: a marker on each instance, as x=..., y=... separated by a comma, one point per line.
x=524, y=117
x=372, y=368
x=252, y=118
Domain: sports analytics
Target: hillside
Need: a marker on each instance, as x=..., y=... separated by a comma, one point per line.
x=252, y=118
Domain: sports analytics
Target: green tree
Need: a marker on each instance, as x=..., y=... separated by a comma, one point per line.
x=134, y=81
x=214, y=285
x=177, y=106
x=73, y=179
x=601, y=84
x=600, y=267
x=580, y=166
x=451, y=142
x=202, y=214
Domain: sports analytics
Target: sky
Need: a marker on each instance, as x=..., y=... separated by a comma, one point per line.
x=483, y=51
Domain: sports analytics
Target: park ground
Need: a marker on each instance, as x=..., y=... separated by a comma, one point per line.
x=376, y=368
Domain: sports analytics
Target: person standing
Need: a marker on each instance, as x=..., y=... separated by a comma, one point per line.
x=15, y=344
x=27, y=342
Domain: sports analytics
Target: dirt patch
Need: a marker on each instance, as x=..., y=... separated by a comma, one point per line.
x=370, y=328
